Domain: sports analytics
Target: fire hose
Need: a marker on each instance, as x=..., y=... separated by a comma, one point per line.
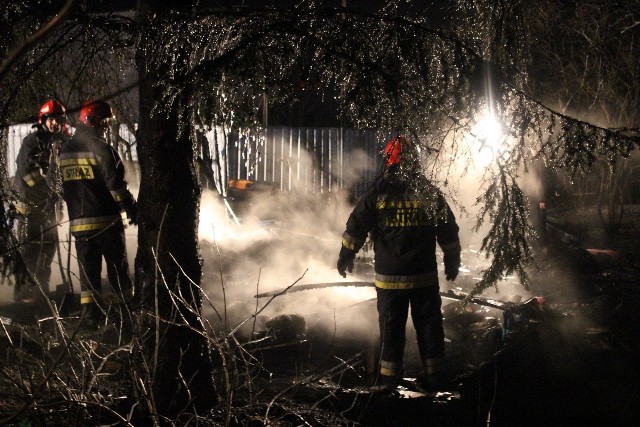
x=450, y=294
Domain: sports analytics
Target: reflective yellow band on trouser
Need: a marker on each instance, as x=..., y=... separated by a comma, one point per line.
x=389, y=369
x=89, y=227
x=87, y=297
x=93, y=224
x=426, y=280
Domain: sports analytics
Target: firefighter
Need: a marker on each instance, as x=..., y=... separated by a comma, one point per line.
x=406, y=215
x=38, y=199
x=96, y=194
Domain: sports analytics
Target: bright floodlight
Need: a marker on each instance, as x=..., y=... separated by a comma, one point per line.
x=488, y=139
x=489, y=131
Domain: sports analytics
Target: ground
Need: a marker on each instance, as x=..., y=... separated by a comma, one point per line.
x=567, y=352
x=564, y=353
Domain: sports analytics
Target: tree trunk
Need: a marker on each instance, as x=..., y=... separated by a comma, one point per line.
x=168, y=262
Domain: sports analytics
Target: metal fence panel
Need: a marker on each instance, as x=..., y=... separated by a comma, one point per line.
x=314, y=160
x=16, y=134
x=304, y=159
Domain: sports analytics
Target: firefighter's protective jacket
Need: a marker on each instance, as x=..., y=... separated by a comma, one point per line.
x=405, y=219
x=33, y=180
x=93, y=180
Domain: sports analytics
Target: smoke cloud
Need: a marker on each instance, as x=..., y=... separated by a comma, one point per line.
x=274, y=239
x=281, y=239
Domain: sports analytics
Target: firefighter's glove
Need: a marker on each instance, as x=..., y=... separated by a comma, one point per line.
x=132, y=213
x=451, y=266
x=345, y=261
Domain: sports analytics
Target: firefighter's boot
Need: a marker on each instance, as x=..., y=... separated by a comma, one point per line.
x=385, y=384
x=432, y=379
x=92, y=317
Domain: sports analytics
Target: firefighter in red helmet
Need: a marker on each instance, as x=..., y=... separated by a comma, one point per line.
x=96, y=193
x=406, y=216
x=39, y=199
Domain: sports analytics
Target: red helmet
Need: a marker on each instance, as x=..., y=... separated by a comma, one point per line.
x=51, y=108
x=394, y=149
x=93, y=113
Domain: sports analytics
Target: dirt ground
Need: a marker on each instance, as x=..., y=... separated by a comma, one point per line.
x=565, y=352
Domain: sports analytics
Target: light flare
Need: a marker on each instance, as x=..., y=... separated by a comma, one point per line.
x=487, y=140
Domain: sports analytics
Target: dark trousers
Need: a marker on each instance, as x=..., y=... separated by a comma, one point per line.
x=38, y=235
x=393, y=308
x=110, y=244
